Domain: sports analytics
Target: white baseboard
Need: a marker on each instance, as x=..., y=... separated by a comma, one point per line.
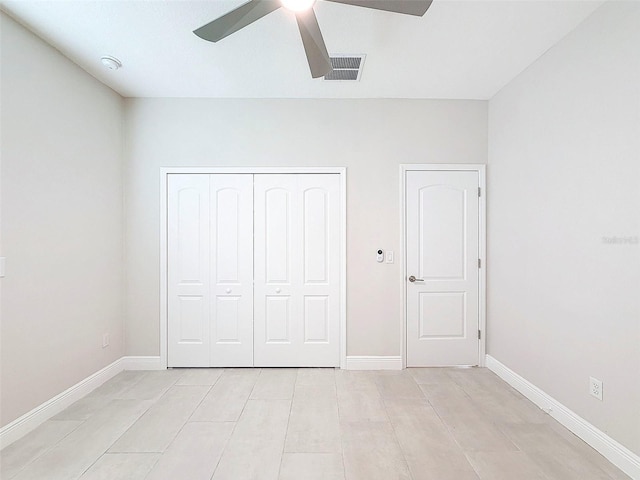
x=143, y=363
x=618, y=454
x=32, y=419
x=374, y=363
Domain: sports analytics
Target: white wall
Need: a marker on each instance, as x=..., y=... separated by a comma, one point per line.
x=61, y=146
x=370, y=137
x=564, y=172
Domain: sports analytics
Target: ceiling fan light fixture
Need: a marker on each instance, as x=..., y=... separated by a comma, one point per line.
x=297, y=5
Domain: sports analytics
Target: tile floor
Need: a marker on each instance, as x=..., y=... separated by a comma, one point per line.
x=303, y=424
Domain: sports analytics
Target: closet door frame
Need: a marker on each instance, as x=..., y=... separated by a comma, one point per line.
x=164, y=175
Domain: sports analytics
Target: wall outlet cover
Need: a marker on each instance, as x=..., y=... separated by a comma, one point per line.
x=595, y=388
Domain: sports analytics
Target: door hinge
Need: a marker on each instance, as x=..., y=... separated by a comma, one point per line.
x=479, y=263
x=479, y=335
x=479, y=191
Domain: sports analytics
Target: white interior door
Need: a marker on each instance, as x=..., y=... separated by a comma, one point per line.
x=188, y=270
x=442, y=251
x=210, y=270
x=212, y=282
x=231, y=247
x=297, y=265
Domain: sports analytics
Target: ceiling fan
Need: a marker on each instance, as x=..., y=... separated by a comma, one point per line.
x=314, y=46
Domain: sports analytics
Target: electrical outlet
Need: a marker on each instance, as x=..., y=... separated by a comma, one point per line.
x=595, y=388
x=105, y=340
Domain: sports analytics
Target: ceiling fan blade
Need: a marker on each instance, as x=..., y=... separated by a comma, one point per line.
x=236, y=19
x=409, y=7
x=314, y=46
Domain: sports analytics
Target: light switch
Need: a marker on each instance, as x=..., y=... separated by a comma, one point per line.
x=2, y=263
x=389, y=256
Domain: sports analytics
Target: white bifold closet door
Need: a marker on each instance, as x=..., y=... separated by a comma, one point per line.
x=253, y=270
x=297, y=268
x=210, y=270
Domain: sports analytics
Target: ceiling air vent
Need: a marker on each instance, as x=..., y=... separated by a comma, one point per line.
x=346, y=67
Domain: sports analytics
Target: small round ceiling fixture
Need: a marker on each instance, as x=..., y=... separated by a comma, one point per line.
x=297, y=5
x=112, y=63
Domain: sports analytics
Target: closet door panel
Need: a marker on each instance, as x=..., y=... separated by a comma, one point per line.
x=231, y=247
x=296, y=254
x=188, y=270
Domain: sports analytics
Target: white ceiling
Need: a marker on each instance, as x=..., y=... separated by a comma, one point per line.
x=459, y=49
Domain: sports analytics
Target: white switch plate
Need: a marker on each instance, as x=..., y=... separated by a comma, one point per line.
x=2, y=264
x=389, y=256
x=105, y=340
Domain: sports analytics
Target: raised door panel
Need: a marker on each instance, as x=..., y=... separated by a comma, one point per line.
x=442, y=232
x=277, y=320
x=316, y=319
x=231, y=247
x=316, y=236
x=188, y=270
x=277, y=239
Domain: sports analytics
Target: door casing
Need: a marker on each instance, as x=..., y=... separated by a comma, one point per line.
x=165, y=171
x=482, y=249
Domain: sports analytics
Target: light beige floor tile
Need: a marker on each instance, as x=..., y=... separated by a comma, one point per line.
x=387, y=436
x=247, y=371
x=152, y=385
x=496, y=398
x=313, y=423
x=359, y=398
x=567, y=466
x=529, y=412
x=588, y=452
x=472, y=428
x=505, y=466
x=481, y=381
x=200, y=376
x=418, y=427
x=441, y=465
x=431, y=375
x=195, y=452
x=448, y=399
x=255, y=448
x=114, y=387
x=350, y=379
x=407, y=407
x=25, y=450
x=83, y=408
x=371, y=452
x=398, y=386
x=311, y=466
x=535, y=437
x=501, y=412
x=121, y=466
x=556, y=456
x=311, y=391
x=81, y=448
x=316, y=376
x=275, y=384
x=227, y=398
x=475, y=433
x=157, y=428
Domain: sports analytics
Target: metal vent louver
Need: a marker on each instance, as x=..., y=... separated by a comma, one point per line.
x=345, y=67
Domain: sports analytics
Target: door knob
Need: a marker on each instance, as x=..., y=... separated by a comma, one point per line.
x=414, y=279
x=278, y=290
